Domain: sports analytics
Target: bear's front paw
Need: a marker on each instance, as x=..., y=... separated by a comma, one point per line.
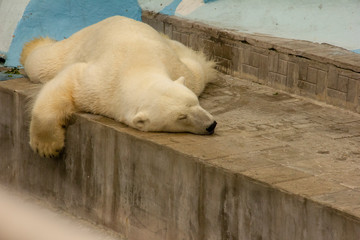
x=47, y=142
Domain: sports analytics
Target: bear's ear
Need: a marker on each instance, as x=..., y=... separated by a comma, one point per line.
x=181, y=80
x=140, y=120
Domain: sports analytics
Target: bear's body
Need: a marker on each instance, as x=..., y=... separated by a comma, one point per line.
x=119, y=68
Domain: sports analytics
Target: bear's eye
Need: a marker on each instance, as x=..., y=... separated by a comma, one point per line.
x=182, y=117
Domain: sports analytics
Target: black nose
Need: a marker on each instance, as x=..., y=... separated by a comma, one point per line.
x=211, y=128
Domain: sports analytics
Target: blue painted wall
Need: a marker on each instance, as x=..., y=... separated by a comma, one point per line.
x=59, y=19
x=171, y=8
x=330, y=21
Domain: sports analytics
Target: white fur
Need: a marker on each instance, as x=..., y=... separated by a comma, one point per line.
x=119, y=68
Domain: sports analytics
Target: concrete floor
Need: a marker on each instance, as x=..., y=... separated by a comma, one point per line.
x=298, y=145
x=292, y=143
x=283, y=144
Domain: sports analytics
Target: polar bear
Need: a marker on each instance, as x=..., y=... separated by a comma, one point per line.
x=119, y=68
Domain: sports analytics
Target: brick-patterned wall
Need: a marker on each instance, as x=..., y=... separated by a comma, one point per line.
x=320, y=71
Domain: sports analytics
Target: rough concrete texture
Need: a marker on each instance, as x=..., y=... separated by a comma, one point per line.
x=320, y=71
x=278, y=167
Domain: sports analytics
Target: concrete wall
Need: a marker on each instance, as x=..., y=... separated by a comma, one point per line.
x=159, y=186
x=320, y=71
x=334, y=22
x=146, y=187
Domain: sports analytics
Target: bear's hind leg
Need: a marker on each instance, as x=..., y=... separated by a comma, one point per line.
x=52, y=108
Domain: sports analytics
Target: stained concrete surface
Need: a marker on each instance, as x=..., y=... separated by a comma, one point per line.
x=277, y=167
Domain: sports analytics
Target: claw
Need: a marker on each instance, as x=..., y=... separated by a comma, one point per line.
x=49, y=146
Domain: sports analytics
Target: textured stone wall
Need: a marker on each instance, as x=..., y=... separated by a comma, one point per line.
x=232, y=185
x=320, y=71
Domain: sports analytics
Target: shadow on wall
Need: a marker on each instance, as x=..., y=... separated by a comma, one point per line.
x=59, y=19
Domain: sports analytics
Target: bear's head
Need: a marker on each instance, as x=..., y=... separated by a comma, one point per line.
x=172, y=107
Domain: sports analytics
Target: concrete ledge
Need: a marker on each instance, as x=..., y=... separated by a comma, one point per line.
x=278, y=167
x=320, y=71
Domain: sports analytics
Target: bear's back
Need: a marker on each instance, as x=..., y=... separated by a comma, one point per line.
x=110, y=35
